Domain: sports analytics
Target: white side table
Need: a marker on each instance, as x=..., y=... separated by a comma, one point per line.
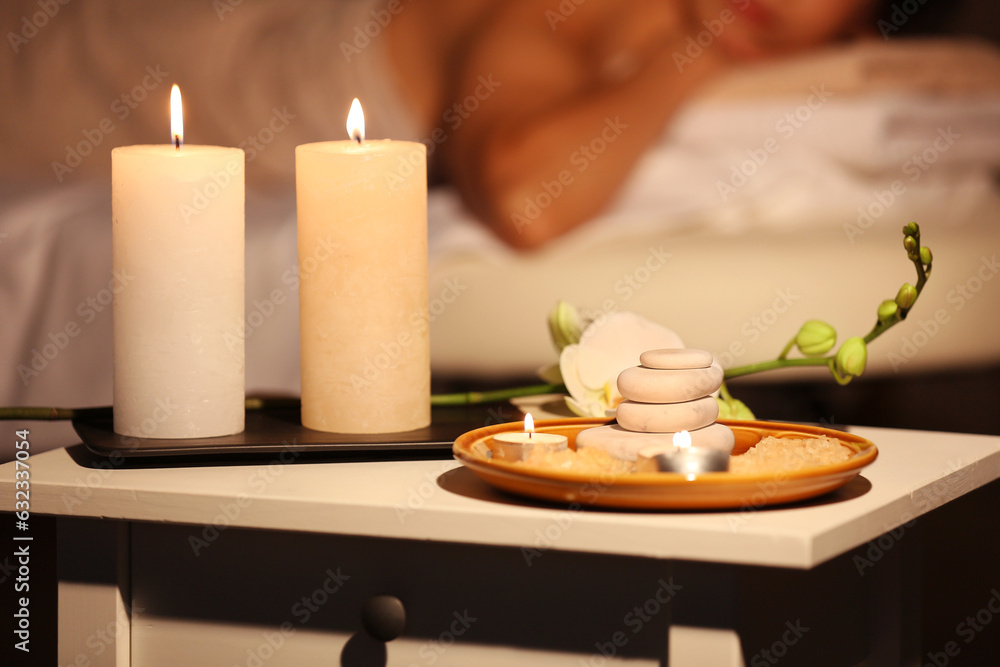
x=271, y=564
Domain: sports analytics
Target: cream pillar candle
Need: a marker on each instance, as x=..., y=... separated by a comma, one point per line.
x=178, y=248
x=362, y=237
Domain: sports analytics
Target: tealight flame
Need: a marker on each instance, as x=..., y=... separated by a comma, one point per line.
x=529, y=424
x=356, y=122
x=176, y=117
x=682, y=440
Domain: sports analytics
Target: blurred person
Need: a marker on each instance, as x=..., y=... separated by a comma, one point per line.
x=609, y=72
x=512, y=97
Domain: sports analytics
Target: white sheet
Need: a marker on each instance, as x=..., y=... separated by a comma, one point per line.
x=55, y=249
x=742, y=166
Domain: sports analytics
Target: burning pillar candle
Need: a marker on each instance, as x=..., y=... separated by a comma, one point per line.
x=363, y=327
x=177, y=247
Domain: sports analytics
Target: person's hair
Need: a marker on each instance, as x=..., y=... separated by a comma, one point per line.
x=955, y=18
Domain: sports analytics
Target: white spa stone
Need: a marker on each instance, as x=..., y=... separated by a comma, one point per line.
x=668, y=417
x=649, y=385
x=676, y=359
x=623, y=444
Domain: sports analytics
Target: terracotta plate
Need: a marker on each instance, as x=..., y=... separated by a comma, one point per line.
x=716, y=490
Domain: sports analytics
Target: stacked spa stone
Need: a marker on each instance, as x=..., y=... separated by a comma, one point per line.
x=670, y=391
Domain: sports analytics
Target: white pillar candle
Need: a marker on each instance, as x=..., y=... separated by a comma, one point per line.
x=362, y=241
x=178, y=224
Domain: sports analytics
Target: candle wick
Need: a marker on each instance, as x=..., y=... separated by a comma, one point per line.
x=357, y=137
x=177, y=141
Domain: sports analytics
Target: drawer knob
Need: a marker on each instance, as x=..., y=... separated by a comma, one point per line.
x=384, y=617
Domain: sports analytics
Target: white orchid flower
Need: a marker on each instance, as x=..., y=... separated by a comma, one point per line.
x=608, y=346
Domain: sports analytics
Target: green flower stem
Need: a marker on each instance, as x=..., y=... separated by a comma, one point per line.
x=724, y=392
x=476, y=397
x=922, y=275
x=842, y=380
x=774, y=364
x=65, y=414
x=464, y=398
x=38, y=414
x=923, y=272
x=881, y=327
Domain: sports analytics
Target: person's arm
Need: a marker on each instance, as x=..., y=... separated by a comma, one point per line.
x=549, y=143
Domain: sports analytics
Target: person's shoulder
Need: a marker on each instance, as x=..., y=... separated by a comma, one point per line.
x=583, y=16
x=618, y=20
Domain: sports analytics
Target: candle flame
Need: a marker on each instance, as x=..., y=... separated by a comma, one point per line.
x=356, y=122
x=529, y=423
x=682, y=440
x=176, y=117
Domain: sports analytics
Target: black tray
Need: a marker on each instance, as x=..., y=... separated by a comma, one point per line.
x=279, y=429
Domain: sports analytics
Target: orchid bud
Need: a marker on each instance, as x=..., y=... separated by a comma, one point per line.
x=887, y=310
x=910, y=243
x=911, y=229
x=926, y=257
x=565, y=325
x=815, y=338
x=852, y=357
x=734, y=409
x=906, y=296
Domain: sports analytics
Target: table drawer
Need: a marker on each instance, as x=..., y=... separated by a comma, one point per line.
x=255, y=597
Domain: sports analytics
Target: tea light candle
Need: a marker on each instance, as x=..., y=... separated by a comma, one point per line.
x=363, y=319
x=516, y=446
x=177, y=248
x=682, y=458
